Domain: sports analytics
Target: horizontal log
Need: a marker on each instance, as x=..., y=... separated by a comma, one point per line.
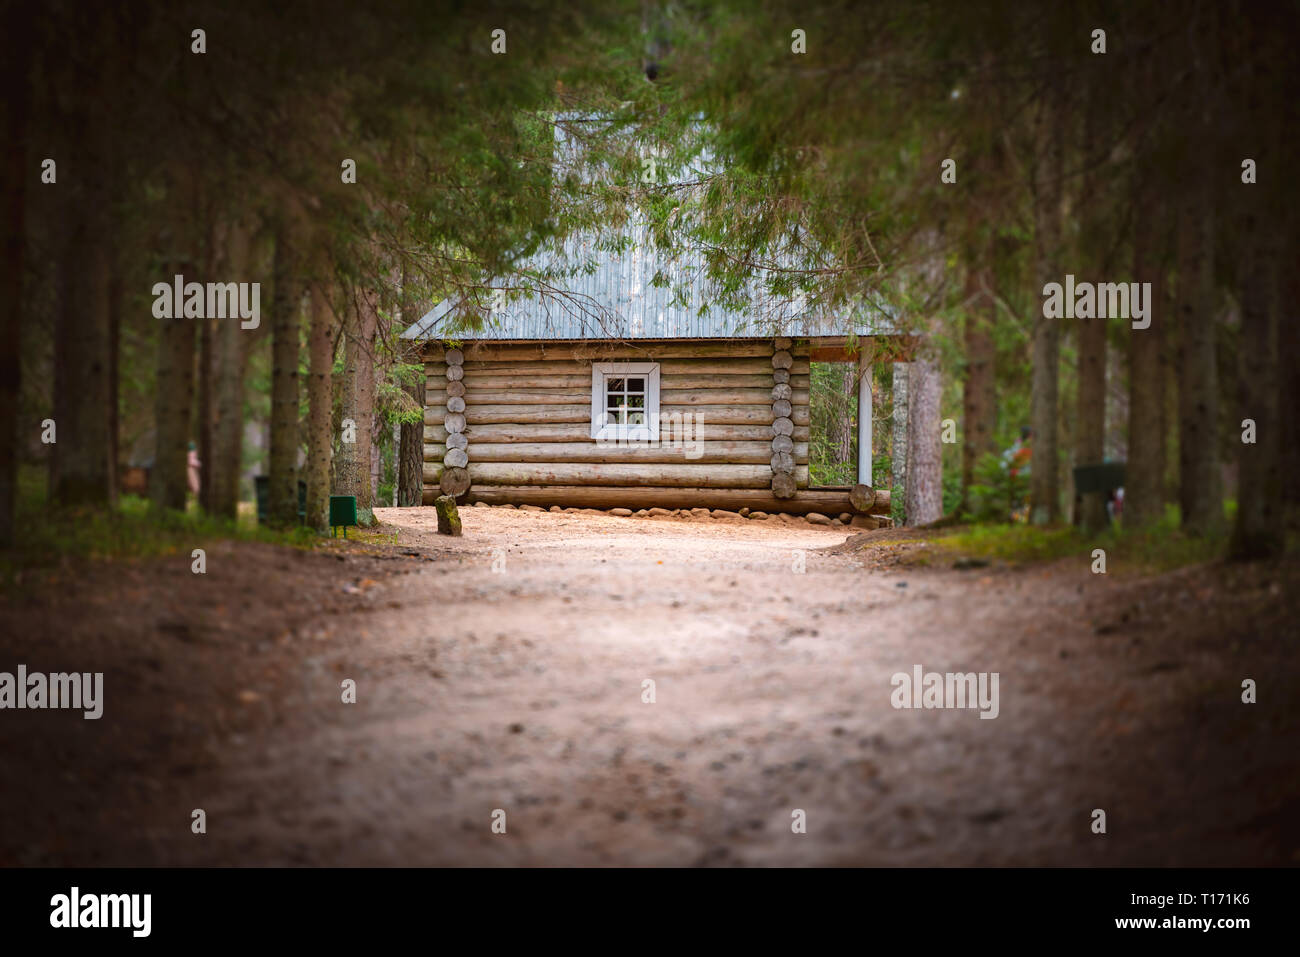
x=707, y=453
x=757, y=380
x=804, y=501
x=732, y=366
x=725, y=396
x=581, y=432
x=496, y=381
x=432, y=473
x=690, y=476
x=525, y=394
x=734, y=414
x=529, y=396
x=434, y=452
x=517, y=414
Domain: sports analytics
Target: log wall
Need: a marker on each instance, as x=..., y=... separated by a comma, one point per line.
x=521, y=415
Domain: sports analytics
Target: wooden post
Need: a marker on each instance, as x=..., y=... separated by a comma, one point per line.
x=864, y=414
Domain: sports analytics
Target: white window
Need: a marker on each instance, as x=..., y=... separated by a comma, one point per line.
x=625, y=401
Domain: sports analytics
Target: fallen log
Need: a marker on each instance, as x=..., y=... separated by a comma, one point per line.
x=828, y=502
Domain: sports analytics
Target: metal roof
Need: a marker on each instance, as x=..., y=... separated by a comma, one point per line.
x=612, y=295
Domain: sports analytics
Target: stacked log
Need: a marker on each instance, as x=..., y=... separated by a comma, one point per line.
x=783, y=460
x=455, y=480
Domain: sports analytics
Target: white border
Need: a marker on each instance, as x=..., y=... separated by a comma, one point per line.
x=625, y=433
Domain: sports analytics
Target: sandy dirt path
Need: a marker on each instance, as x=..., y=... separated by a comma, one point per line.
x=505, y=670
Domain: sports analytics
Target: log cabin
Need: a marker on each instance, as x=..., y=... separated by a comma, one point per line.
x=683, y=415
x=623, y=386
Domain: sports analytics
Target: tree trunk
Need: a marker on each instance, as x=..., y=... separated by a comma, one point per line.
x=411, y=477
x=174, y=395
x=13, y=123
x=320, y=406
x=1090, y=396
x=1259, y=531
x=1260, y=528
x=80, y=469
x=925, y=446
x=231, y=348
x=173, y=403
x=844, y=415
x=358, y=401
x=282, y=505
x=898, y=440
x=1200, y=494
x=209, y=331
x=979, y=397
x=1144, y=482
x=1044, y=485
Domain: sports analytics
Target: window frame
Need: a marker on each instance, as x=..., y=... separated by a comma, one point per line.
x=602, y=371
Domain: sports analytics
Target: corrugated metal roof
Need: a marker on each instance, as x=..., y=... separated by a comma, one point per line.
x=612, y=295
x=623, y=287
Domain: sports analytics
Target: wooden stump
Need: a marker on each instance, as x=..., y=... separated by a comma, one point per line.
x=456, y=459
x=782, y=360
x=454, y=422
x=448, y=515
x=781, y=391
x=781, y=376
x=455, y=373
x=783, y=443
x=781, y=409
x=783, y=343
x=454, y=357
x=455, y=404
x=783, y=485
x=457, y=440
x=862, y=497
x=455, y=482
x=455, y=388
x=783, y=426
x=782, y=462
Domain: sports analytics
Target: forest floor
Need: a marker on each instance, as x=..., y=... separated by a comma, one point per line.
x=504, y=671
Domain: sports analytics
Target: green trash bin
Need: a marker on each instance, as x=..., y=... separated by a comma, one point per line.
x=343, y=512
x=1102, y=478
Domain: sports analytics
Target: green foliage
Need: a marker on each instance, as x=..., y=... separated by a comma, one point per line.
x=133, y=530
x=1161, y=547
x=995, y=493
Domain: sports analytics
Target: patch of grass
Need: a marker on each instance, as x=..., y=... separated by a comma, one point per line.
x=894, y=543
x=133, y=530
x=1160, y=548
